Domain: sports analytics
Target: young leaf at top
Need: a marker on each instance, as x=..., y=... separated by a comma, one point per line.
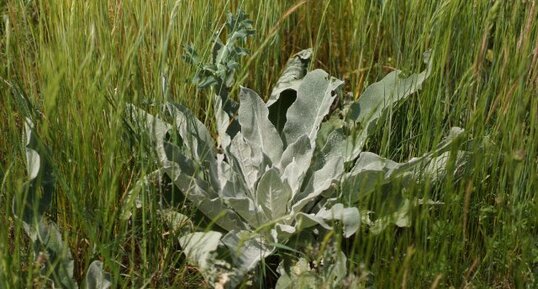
x=294, y=71
x=273, y=194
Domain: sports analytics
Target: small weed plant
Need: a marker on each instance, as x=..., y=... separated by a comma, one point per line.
x=49, y=251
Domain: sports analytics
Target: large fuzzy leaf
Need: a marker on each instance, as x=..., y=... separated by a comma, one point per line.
x=399, y=217
x=284, y=92
x=199, y=246
x=328, y=273
x=60, y=263
x=247, y=161
x=40, y=174
x=247, y=250
x=256, y=127
x=201, y=251
x=196, y=191
x=295, y=162
x=373, y=102
x=349, y=217
x=96, y=277
x=197, y=138
x=183, y=171
x=45, y=234
x=300, y=275
x=294, y=71
x=273, y=194
x=251, y=212
x=314, y=98
x=319, y=182
x=176, y=222
x=223, y=123
x=372, y=171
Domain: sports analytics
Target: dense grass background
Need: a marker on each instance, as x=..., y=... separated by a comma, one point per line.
x=80, y=62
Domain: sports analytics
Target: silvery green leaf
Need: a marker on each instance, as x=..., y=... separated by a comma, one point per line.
x=300, y=275
x=154, y=127
x=337, y=269
x=305, y=221
x=251, y=212
x=335, y=145
x=175, y=221
x=133, y=201
x=349, y=217
x=183, y=172
x=314, y=98
x=330, y=135
x=43, y=233
x=399, y=218
x=247, y=250
x=181, y=169
x=215, y=209
x=225, y=171
x=33, y=160
x=328, y=273
x=197, y=138
x=222, y=215
x=418, y=166
x=60, y=263
x=436, y=168
x=377, y=98
x=256, y=127
x=294, y=71
x=320, y=181
x=197, y=191
x=96, y=277
x=223, y=123
x=40, y=174
x=372, y=171
x=283, y=232
x=248, y=161
x=235, y=186
x=299, y=149
x=295, y=162
x=200, y=247
x=273, y=194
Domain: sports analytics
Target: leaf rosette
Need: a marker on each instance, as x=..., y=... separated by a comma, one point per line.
x=282, y=168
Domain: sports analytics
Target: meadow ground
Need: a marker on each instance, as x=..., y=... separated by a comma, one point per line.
x=81, y=62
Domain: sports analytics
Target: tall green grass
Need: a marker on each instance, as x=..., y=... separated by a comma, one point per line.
x=80, y=62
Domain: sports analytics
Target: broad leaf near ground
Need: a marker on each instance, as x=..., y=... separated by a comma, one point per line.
x=59, y=261
x=96, y=277
x=199, y=246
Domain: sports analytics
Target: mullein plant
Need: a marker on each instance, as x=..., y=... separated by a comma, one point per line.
x=282, y=168
x=32, y=208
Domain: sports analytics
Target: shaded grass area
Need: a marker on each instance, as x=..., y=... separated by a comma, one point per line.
x=79, y=63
